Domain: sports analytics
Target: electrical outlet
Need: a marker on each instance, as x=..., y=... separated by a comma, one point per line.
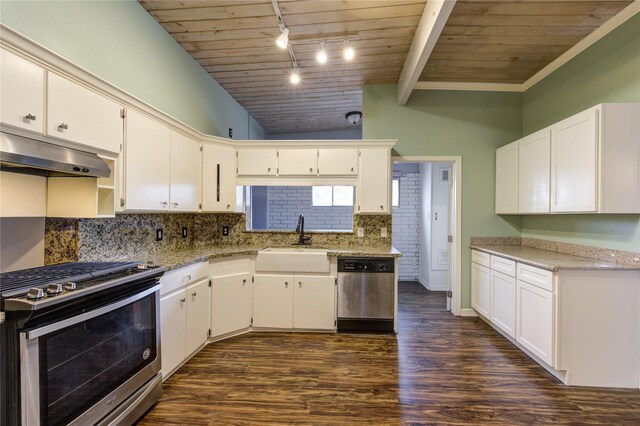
x=230, y=132
x=184, y=232
x=383, y=232
x=159, y=234
x=225, y=231
x=360, y=232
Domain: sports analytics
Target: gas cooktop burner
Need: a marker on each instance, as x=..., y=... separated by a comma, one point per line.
x=29, y=289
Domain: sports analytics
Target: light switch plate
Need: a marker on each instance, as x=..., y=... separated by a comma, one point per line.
x=360, y=232
x=383, y=232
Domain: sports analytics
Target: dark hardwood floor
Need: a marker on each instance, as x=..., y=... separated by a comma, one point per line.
x=439, y=369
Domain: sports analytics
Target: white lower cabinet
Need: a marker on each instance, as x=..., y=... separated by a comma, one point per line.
x=231, y=303
x=173, y=312
x=197, y=316
x=503, y=302
x=288, y=301
x=535, y=322
x=481, y=289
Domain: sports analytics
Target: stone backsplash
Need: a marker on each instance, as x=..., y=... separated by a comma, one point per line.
x=133, y=235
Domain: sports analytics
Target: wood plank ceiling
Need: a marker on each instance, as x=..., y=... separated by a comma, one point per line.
x=489, y=41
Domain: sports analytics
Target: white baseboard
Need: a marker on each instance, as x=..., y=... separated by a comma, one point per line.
x=429, y=287
x=468, y=312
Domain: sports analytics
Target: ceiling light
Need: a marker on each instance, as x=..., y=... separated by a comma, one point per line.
x=294, y=78
x=321, y=57
x=283, y=39
x=353, y=117
x=348, y=51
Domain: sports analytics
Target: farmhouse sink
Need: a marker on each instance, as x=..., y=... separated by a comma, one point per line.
x=292, y=259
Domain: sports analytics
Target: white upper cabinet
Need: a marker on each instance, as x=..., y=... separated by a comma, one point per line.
x=82, y=116
x=257, y=161
x=534, y=168
x=22, y=88
x=373, y=191
x=218, y=178
x=595, y=161
x=297, y=162
x=147, y=163
x=337, y=161
x=507, y=179
x=185, y=174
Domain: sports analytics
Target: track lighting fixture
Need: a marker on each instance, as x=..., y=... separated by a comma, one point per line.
x=283, y=39
x=321, y=57
x=294, y=78
x=348, y=51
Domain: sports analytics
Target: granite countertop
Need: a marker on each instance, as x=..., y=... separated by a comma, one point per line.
x=174, y=259
x=550, y=260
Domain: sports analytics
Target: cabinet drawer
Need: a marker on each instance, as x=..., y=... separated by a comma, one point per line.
x=503, y=265
x=177, y=278
x=481, y=258
x=536, y=276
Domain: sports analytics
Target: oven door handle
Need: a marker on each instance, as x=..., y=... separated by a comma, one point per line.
x=38, y=332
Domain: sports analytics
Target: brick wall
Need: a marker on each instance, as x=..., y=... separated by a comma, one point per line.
x=406, y=225
x=286, y=203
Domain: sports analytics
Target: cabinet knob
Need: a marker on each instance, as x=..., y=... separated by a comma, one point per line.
x=268, y=169
x=300, y=284
x=194, y=294
x=311, y=169
x=381, y=207
x=165, y=203
x=228, y=206
x=244, y=281
x=352, y=169
x=175, y=204
x=183, y=300
x=63, y=126
x=286, y=284
x=188, y=277
x=29, y=116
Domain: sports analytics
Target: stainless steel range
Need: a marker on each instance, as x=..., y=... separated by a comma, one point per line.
x=79, y=343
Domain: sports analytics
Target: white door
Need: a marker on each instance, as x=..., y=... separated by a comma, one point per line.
x=22, y=88
x=373, y=193
x=218, y=178
x=439, y=223
x=503, y=302
x=273, y=301
x=298, y=162
x=147, y=163
x=173, y=323
x=231, y=303
x=337, y=161
x=507, y=179
x=197, y=316
x=574, y=163
x=185, y=174
x=257, y=161
x=314, y=303
x=534, y=167
x=481, y=289
x=534, y=321
x=77, y=114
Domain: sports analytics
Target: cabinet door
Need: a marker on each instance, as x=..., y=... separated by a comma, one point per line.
x=574, y=163
x=297, y=162
x=257, y=161
x=337, y=162
x=231, y=303
x=218, y=178
x=314, y=303
x=273, y=301
x=185, y=173
x=481, y=289
x=147, y=163
x=373, y=193
x=80, y=115
x=173, y=314
x=507, y=179
x=197, y=316
x=22, y=88
x=534, y=321
x=503, y=302
x=534, y=168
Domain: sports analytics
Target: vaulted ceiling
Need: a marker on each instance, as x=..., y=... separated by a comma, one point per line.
x=496, y=41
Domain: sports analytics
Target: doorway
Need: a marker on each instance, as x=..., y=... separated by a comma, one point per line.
x=427, y=223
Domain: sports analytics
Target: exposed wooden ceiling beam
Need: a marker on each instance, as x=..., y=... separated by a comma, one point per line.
x=434, y=17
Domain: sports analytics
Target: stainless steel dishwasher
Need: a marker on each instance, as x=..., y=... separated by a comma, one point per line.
x=366, y=294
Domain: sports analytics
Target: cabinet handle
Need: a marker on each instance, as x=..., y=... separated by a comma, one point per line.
x=63, y=126
x=183, y=300
x=228, y=206
x=381, y=207
x=175, y=204
x=194, y=294
x=244, y=282
x=286, y=284
x=300, y=284
x=188, y=277
x=352, y=169
x=29, y=116
x=311, y=169
x=165, y=203
x=268, y=169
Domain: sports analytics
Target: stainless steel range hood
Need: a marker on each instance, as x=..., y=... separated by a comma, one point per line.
x=25, y=154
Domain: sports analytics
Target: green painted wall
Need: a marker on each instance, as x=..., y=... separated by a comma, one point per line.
x=121, y=43
x=446, y=123
x=609, y=71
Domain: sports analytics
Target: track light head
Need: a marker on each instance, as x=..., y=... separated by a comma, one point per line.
x=321, y=57
x=283, y=39
x=294, y=78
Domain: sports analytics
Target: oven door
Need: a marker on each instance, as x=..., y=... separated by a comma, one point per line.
x=78, y=369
